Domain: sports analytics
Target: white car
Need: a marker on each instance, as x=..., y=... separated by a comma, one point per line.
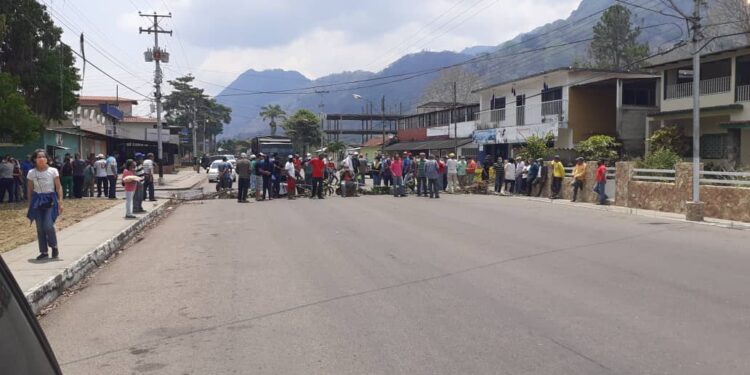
x=213, y=170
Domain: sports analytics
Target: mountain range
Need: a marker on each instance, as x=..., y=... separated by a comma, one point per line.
x=553, y=45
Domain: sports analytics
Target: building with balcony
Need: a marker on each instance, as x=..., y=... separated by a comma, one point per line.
x=569, y=104
x=437, y=128
x=724, y=100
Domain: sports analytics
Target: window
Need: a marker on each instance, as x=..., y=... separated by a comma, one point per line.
x=639, y=94
x=520, y=100
x=499, y=103
x=714, y=146
x=554, y=93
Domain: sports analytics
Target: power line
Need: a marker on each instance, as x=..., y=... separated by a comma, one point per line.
x=650, y=9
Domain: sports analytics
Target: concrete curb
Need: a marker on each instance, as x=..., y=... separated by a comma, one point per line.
x=727, y=224
x=44, y=293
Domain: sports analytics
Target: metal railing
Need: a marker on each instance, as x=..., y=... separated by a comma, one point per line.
x=528, y=114
x=657, y=175
x=725, y=178
x=743, y=93
x=707, y=86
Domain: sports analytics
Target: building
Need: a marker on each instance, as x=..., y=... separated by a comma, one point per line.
x=569, y=104
x=724, y=97
x=437, y=128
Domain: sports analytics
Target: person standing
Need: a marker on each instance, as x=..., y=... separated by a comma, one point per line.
x=260, y=172
x=471, y=168
x=461, y=172
x=318, y=166
x=205, y=163
x=130, y=182
x=112, y=176
x=452, y=165
x=432, y=172
x=291, y=179
x=102, y=183
x=541, y=179
x=45, y=203
x=243, y=178
x=558, y=174
x=148, y=176
x=443, y=171
x=579, y=178
x=67, y=178
x=276, y=169
x=532, y=176
x=253, y=176
x=78, y=176
x=397, y=166
x=386, y=171
x=499, y=175
x=89, y=180
x=138, y=196
x=377, y=177
x=510, y=176
x=601, y=181
x=6, y=179
x=17, y=180
x=421, y=175
x=26, y=166
x=521, y=172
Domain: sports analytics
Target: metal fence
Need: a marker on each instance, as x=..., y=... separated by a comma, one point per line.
x=741, y=179
x=707, y=87
x=654, y=175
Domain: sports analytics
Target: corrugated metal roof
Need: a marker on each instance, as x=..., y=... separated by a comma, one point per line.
x=428, y=145
x=105, y=99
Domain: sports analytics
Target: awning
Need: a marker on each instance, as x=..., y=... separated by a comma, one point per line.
x=717, y=110
x=735, y=125
x=56, y=147
x=442, y=144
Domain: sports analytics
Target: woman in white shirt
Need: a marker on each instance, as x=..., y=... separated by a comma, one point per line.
x=46, y=202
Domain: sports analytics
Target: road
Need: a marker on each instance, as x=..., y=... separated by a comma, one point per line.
x=379, y=285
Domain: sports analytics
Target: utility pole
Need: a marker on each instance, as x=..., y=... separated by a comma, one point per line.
x=194, y=125
x=382, y=111
x=455, y=122
x=157, y=55
x=695, y=208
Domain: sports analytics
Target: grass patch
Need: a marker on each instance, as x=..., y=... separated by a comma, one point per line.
x=16, y=230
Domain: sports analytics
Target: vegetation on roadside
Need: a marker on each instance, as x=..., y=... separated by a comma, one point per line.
x=599, y=147
x=537, y=147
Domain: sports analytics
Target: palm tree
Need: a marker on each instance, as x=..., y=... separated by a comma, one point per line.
x=336, y=148
x=272, y=112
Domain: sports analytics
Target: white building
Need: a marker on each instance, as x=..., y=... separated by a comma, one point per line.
x=724, y=96
x=568, y=103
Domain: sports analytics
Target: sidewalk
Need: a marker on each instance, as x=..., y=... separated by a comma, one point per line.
x=639, y=212
x=83, y=246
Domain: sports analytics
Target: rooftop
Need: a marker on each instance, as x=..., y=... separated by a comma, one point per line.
x=104, y=99
x=561, y=69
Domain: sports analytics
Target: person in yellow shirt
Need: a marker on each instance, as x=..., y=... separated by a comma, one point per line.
x=558, y=174
x=579, y=177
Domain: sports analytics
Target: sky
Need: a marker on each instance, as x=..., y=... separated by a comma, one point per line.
x=217, y=40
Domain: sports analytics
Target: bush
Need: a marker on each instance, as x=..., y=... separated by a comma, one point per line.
x=598, y=147
x=670, y=138
x=660, y=159
x=536, y=147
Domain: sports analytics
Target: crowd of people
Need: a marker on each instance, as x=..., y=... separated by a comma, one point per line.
x=426, y=175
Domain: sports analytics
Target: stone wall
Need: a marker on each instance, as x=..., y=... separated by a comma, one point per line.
x=729, y=203
x=585, y=195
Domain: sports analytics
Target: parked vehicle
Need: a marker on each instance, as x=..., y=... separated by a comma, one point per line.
x=272, y=144
x=23, y=346
x=213, y=170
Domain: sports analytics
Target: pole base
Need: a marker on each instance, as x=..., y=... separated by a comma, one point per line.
x=694, y=211
x=161, y=181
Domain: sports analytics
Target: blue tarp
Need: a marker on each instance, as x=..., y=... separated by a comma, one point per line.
x=111, y=111
x=484, y=136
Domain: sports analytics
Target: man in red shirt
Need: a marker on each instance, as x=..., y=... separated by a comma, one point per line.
x=318, y=166
x=601, y=182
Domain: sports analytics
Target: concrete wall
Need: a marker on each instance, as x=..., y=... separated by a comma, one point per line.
x=592, y=112
x=729, y=203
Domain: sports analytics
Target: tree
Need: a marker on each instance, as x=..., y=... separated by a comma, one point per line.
x=598, y=147
x=336, y=148
x=31, y=51
x=187, y=105
x=303, y=129
x=18, y=122
x=441, y=89
x=272, y=112
x=536, y=147
x=729, y=17
x=615, y=44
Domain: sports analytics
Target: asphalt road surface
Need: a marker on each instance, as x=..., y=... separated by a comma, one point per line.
x=379, y=285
